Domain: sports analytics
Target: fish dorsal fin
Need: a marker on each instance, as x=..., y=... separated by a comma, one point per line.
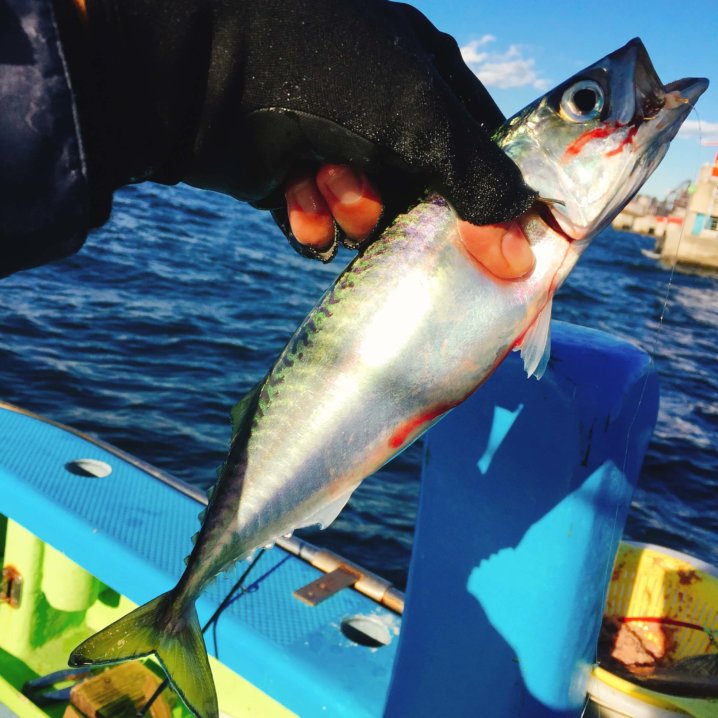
x=203, y=513
x=535, y=346
x=326, y=515
x=243, y=411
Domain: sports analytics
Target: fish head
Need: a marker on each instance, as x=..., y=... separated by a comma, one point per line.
x=589, y=144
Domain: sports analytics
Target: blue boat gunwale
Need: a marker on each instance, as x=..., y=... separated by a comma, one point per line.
x=144, y=466
x=131, y=530
x=370, y=584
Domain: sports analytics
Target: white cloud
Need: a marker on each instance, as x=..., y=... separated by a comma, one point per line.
x=471, y=53
x=705, y=132
x=502, y=69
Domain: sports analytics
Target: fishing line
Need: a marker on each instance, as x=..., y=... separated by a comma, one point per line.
x=230, y=595
x=214, y=618
x=659, y=332
x=651, y=351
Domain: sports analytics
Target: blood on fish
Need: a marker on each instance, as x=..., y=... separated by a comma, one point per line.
x=408, y=427
x=627, y=141
x=597, y=133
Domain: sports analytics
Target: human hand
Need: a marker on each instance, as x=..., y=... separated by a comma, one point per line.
x=338, y=194
x=235, y=97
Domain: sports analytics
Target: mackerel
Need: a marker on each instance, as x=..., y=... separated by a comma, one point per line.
x=409, y=330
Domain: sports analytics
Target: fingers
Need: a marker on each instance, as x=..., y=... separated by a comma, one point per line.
x=337, y=193
x=309, y=216
x=352, y=200
x=501, y=248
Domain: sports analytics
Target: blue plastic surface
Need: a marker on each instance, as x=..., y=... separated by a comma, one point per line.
x=132, y=531
x=525, y=492
x=524, y=496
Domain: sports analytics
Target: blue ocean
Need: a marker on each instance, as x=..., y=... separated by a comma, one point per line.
x=180, y=304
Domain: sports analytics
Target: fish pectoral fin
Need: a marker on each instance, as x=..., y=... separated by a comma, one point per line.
x=535, y=347
x=242, y=412
x=325, y=516
x=177, y=642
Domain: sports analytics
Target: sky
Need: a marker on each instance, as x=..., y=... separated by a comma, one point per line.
x=521, y=49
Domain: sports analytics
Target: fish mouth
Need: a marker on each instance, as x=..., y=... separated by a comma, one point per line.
x=677, y=99
x=689, y=89
x=638, y=95
x=542, y=209
x=657, y=109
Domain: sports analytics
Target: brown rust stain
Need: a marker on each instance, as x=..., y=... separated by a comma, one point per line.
x=688, y=578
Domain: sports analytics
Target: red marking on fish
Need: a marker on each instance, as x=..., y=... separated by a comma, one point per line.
x=597, y=133
x=627, y=141
x=408, y=427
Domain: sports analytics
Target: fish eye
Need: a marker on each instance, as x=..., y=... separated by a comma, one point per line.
x=583, y=101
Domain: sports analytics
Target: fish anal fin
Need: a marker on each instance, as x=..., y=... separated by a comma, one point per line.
x=326, y=514
x=535, y=345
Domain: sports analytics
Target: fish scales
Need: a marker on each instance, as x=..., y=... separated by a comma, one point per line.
x=348, y=392
x=366, y=364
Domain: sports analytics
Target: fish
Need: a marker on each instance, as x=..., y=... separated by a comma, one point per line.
x=410, y=329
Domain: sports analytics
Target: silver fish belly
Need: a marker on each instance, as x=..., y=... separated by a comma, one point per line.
x=406, y=333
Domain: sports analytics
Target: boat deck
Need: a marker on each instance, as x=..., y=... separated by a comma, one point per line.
x=131, y=529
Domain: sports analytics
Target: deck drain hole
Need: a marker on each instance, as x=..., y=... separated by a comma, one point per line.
x=89, y=468
x=366, y=631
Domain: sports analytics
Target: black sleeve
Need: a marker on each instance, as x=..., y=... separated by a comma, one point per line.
x=232, y=95
x=44, y=201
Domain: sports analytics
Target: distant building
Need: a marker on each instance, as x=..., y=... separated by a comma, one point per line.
x=636, y=215
x=698, y=242
x=685, y=225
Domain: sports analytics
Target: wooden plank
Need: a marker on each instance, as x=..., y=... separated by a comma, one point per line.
x=119, y=692
x=326, y=586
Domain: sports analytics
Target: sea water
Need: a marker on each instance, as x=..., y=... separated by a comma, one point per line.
x=180, y=304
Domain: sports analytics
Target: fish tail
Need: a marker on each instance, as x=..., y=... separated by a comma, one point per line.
x=173, y=635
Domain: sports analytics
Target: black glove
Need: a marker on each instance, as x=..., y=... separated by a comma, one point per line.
x=232, y=95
